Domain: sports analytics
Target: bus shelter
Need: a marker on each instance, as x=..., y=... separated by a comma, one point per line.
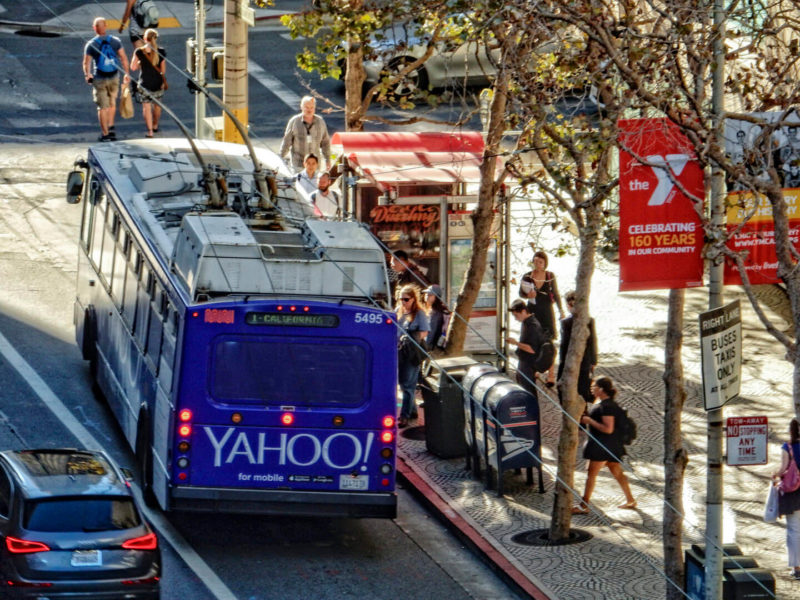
x=415, y=191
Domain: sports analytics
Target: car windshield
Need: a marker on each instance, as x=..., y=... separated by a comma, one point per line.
x=80, y=514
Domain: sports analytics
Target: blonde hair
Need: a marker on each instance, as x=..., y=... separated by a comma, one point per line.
x=150, y=36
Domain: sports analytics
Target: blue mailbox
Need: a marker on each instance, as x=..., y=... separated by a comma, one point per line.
x=512, y=437
x=476, y=373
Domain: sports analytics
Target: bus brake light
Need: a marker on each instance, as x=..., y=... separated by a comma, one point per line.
x=387, y=437
x=185, y=415
x=388, y=422
x=287, y=418
x=184, y=430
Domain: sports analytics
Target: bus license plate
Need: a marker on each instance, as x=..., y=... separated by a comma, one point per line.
x=348, y=482
x=86, y=558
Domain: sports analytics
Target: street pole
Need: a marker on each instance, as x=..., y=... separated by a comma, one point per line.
x=199, y=66
x=714, y=479
x=234, y=90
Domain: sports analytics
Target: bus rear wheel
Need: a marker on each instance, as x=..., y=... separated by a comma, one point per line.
x=144, y=458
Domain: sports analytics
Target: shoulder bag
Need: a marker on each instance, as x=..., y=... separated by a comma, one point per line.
x=790, y=480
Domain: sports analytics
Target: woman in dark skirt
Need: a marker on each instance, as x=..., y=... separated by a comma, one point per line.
x=789, y=502
x=604, y=446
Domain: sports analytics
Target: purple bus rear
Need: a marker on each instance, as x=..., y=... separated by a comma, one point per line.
x=286, y=407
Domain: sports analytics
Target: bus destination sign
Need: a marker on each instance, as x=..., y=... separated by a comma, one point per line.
x=291, y=319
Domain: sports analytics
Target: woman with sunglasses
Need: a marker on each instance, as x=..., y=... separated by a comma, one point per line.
x=413, y=321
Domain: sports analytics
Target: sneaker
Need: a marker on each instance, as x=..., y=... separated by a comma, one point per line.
x=112, y=136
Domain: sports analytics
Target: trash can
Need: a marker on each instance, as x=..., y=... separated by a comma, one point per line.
x=473, y=375
x=444, y=412
x=741, y=577
x=512, y=440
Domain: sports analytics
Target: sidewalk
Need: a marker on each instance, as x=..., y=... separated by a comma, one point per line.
x=623, y=558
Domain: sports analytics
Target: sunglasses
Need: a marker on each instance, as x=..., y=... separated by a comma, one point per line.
x=406, y=299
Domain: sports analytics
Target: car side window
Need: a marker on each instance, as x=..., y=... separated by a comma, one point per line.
x=5, y=493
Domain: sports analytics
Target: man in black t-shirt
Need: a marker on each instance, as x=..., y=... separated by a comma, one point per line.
x=531, y=338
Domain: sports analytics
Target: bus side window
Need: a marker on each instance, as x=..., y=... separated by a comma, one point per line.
x=88, y=212
x=143, y=305
x=156, y=325
x=168, y=348
x=109, y=244
x=98, y=226
x=133, y=266
x=118, y=270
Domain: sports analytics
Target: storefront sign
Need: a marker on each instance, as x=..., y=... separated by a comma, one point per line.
x=660, y=234
x=721, y=354
x=747, y=440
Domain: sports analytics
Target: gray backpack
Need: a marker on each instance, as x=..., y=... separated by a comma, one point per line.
x=146, y=13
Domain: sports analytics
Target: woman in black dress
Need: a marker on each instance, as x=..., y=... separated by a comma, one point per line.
x=152, y=61
x=604, y=446
x=540, y=289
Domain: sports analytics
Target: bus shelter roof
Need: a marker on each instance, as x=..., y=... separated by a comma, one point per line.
x=390, y=159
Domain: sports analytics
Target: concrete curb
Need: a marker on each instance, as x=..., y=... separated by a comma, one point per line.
x=467, y=531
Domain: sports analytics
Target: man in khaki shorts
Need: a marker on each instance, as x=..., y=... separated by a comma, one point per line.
x=103, y=58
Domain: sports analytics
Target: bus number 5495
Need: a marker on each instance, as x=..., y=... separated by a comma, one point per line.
x=369, y=318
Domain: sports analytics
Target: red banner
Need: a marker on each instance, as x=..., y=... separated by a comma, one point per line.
x=660, y=234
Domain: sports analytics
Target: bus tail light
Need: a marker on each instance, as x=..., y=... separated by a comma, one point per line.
x=388, y=421
x=287, y=418
x=185, y=415
x=185, y=430
x=17, y=546
x=387, y=437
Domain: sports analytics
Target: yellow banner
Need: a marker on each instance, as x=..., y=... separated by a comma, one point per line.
x=740, y=206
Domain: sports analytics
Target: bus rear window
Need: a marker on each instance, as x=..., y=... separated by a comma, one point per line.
x=283, y=372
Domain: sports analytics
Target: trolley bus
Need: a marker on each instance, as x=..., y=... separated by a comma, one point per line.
x=241, y=342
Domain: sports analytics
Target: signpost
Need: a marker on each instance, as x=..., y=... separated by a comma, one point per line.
x=747, y=440
x=721, y=344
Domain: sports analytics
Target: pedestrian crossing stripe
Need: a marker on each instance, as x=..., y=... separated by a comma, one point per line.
x=163, y=23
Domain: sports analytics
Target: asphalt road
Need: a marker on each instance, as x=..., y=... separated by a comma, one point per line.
x=46, y=107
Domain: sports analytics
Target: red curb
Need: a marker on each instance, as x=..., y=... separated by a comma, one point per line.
x=505, y=568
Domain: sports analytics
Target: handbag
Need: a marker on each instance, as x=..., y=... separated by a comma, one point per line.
x=409, y=352
x=126, y=103
x=790, y=480
x=771, y=505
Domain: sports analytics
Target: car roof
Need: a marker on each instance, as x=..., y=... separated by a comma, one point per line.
x=49, y=473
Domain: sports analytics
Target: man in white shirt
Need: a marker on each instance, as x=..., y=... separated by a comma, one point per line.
x=326, y=200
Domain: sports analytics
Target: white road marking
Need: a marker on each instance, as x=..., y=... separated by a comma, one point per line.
x=193, y=560
x=273, y=85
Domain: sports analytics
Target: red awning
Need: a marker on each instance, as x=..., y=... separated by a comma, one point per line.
x=390, y=158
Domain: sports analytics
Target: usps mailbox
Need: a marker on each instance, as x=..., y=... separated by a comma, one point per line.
x=512, y=438
x=468, y=383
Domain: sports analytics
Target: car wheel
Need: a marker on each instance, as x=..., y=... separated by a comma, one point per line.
x=412, y=83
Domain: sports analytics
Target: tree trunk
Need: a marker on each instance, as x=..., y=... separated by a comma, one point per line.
x=574, y=404
x=675, y=455
x=354, y=79
x=482, y=219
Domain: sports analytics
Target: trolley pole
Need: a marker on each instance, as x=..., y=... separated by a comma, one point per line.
x=234, y=89
x=714, y=475
x=200, y=66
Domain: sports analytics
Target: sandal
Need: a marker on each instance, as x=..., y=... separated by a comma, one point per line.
x=628, y=505
x=148, y=135
x=581, y=509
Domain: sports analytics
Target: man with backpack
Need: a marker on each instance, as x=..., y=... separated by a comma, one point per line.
x=103, y=58
x=142, y=15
